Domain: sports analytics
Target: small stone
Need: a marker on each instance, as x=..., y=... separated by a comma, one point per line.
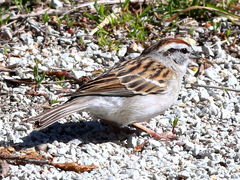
x=208, y=51
x=42, y=147
x=106, y=55
x=21, y=128
x=131, y=142
x=232, y=80
x=176, y=149
x=196, y=150
x=197, y=48
x=162, y=152
x=80, y=33
x=190, y=79
x=213, y=74
x=65, y=41
x=226, y=114
x=200, y=29
x=213, y=108
x=40, y=39
x=220, y=53
x=154, y=143
x=133, y=55
x=237, y=108
x=238, y=134
x=56, y=4
x=6, y=34
x=78, y=74
x=93, y=46
x=211, y=28
x=52, y=31
x=237, y=67
x=27, y=38
x=204, y=94
x=122, y=51
x=134, y=174
x=184, y=174
x=189, y=145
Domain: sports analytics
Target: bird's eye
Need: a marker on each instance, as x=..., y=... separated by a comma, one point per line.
x=184, y=51
x=172, y=50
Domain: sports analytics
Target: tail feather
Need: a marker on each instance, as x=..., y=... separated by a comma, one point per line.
x=51, y=116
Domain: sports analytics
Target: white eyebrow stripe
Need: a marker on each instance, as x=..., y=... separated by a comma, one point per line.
x=174, y=45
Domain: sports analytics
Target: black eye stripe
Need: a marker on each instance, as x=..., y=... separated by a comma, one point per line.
x=172, y=50
x=184, y=51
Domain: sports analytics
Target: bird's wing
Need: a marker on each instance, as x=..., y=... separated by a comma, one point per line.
x=140, y=76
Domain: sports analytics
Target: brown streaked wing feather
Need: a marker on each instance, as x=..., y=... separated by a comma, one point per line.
x=139, y=76
x=148, y=77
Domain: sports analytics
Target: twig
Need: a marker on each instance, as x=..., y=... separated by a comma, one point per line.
x=201, y=7
x=58, y=82
x=64, y=11
x=3, y=69
x=216, y=87
x=9, y=24
x=13, y=159
x=32, y=82
x=34, y=14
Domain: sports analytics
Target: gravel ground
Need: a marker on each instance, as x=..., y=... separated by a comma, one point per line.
x=208, y=127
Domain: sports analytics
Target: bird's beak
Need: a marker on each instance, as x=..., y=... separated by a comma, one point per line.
x=193, y=66
x=193, y=63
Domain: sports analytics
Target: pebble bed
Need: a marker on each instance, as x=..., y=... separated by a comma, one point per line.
x=208, y=129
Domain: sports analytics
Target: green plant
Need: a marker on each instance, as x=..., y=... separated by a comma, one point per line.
x=136, y=22
x=133, y=19
x=62, y=78
x=216, y=26
x=174, y=124
x=24, y=5
x=102, y=12
x=197, y=9
x=45, y=18
x=68, y=20
x=3, y=12
x=19, y=4
x=81, y=41
x=53, y=101
x=103, y=37
x=38, y=77
x=228, y=32
x=191, y=31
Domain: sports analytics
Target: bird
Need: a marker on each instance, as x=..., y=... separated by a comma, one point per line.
x=132, y=91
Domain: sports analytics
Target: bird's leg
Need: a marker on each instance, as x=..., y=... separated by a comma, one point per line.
x=116, y=127
x=163, y=136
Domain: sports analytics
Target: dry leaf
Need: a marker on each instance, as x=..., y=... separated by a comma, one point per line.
x=34, y=93
x=74, y=167
x=139, y=148
x=31, y=156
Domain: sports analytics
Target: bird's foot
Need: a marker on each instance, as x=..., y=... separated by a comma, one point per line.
x=162, y=136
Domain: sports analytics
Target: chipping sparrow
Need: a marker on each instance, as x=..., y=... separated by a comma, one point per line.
x=132, y=91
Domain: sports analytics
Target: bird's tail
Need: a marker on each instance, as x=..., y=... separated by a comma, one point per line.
x=48, y=117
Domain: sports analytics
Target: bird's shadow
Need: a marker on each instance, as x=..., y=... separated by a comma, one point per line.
x=82, y=132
